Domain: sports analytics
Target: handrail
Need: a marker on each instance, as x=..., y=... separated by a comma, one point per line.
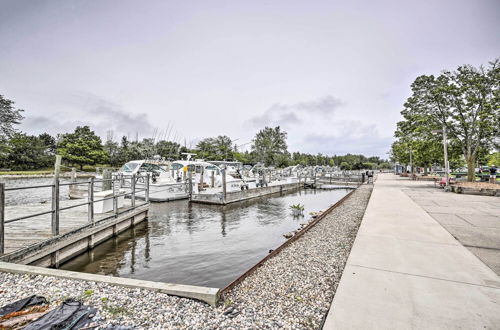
x=56, y=209
x=28, y=216
x=29, y=187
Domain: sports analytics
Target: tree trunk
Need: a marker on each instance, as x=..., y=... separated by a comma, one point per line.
x=471, y=170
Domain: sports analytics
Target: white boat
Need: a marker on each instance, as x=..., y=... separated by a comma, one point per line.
x=163, y=186
x=169, y=182
x=207, y=175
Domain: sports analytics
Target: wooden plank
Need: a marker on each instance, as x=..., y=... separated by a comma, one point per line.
x=26, y=232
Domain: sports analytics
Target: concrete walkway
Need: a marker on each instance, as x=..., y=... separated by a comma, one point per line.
x=473, y=220
x=406, y=271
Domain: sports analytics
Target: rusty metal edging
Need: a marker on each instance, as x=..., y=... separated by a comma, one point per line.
x=286, y=243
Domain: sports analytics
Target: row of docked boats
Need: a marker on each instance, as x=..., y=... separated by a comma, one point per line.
x=173, y=180
x=178, y=179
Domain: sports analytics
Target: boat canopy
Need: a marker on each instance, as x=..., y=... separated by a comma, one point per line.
x=137, y=166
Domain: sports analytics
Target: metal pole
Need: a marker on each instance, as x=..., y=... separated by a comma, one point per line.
x=90, y=196
x=446, y=164
x=147, y=188
x=132, y=188
x=55, y=208
x=2, y=218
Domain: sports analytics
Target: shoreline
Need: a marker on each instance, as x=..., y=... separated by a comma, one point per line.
x=292, y=289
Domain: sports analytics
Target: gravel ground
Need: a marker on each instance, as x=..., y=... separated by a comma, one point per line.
x=292, y=290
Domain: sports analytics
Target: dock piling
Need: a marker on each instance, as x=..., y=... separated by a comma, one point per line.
x=190, y=179
x=2, y=217
x=90, y=198
x=55, y=208
x=115, y=199
x=201, y=180
x=146, y=198
x=224, y=188
x=132, y=188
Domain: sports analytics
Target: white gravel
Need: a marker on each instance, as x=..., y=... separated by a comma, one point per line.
x=292, y=290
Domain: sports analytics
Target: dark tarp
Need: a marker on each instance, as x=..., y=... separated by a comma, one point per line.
x=69, y=315
x=22, y=304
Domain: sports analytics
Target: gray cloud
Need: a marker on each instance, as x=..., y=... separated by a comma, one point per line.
x=290, y=114
x=349, y=136
x=101, y=115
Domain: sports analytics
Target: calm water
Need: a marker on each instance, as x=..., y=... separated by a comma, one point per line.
x=201, y=244
x=36, y=195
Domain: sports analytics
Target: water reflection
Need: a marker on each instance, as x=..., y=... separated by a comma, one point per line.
x=201, y=244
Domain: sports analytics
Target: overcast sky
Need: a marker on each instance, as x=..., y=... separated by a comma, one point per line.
x=333, y=74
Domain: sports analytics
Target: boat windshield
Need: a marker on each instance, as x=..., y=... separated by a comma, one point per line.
x=129, y=167
x=149, y=167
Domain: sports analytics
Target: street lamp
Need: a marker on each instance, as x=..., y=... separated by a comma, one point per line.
x=446, y=163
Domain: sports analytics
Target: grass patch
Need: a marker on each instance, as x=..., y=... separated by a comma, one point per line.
x=114, y=310
x=33, y=172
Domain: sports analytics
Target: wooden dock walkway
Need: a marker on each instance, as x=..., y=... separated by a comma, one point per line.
x=219, y=198
x=23, y=233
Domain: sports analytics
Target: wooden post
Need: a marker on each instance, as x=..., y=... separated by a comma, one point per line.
x=132, y=188
x=57, y=167
x=2, y=218
x=212, y=179
x=190, y=184
x=224, y=188
x=55, y=208
x=147, y=189
x=55, y=197
x=90, y=198
x=106, y=180
x=115, y=199
x=201, y=180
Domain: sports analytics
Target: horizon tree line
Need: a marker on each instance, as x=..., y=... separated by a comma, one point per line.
x=83, y=147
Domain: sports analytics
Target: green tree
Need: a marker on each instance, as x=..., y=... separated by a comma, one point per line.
x=269, y=145
x=218, y=148
x=168, y=149
x=82, y=147
x=465, y=102
x=9, y=116
x=494, y=159
x=112, y=149
x=345, y=166
x=29, y=152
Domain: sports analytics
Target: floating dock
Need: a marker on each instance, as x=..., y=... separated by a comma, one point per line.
x=219, y=198
x=30, y=242
x=49, y=233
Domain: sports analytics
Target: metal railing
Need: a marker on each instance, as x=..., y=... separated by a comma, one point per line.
x=117, y=183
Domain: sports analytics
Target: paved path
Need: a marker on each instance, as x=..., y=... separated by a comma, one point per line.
x=473, y=220
x=406, y=271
